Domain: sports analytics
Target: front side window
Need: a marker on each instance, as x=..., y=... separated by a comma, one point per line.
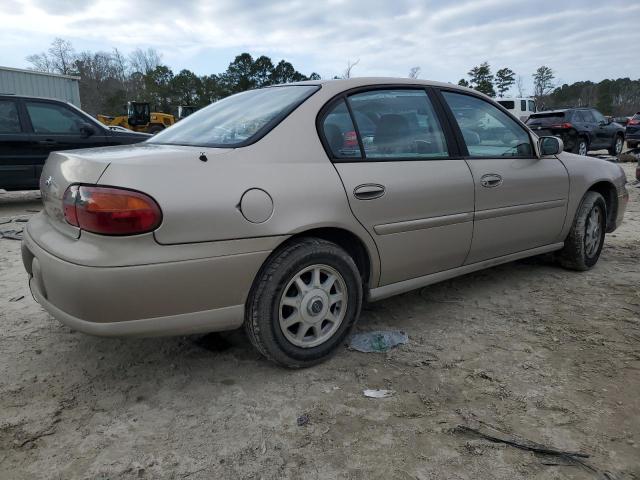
x=238, y=119
x=51, y=118
x=487, y=131
x=588, y=116
x=523, y=105
x=398, y=124
x=598, y=116
x=9, y=121
x=340, y=133
x=532, y=106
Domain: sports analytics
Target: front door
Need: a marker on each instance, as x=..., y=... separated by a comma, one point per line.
x=520, y=199
x=59, y=127
x=395, y=165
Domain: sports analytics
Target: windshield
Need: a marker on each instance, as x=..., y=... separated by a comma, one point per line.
x=236, y=120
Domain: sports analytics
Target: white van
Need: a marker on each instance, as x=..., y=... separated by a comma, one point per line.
x=520, y=107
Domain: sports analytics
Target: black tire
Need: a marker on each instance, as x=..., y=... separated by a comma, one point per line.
x=262, y=314
x=155, y=129
x=575, y=254
x=613, y=150
x=579, y=142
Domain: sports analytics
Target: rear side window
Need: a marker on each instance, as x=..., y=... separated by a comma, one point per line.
x=588, y=116
x=9, y=121
x=487, y=131
x=578, y=117
x=340, y=133
x=51, y=118
x=523, y=105
x=236, y=120
x=398, y=124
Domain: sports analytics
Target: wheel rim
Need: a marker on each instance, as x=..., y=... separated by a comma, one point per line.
x=593, y=231
x=582, y=148
x=312, y=306
x=618, y=145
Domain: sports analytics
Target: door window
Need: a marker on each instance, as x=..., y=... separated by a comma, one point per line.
x=523, y=105
x=487, y=131
x=532, y=106
x=340, y=133
x=578, y=117
x=51, y=118
x=398, y=124
x=598, y=116
x=588, y=116
x=9, y=121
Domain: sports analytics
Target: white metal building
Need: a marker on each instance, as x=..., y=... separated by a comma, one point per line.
x=40, y=84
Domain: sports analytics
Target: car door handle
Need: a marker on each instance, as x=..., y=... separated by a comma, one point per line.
x=48, y=141
x=368, y=191
x=491, y=180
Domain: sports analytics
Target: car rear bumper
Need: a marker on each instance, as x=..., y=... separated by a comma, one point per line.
x=171, y=298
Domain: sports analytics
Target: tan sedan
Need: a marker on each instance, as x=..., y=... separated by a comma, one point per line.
x=283, y=209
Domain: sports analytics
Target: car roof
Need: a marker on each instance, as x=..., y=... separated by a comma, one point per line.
x=14, y=95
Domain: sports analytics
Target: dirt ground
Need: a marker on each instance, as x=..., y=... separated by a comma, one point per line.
x=535, y=351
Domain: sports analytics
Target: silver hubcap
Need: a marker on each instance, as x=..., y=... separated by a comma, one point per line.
x=618, y=145
x=582, y=148
x=312, y=306
x=592, y=234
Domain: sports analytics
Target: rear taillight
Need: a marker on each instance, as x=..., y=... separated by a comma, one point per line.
x=633, y=121
x=110, y=211
x=562, y=126
x=350, y=140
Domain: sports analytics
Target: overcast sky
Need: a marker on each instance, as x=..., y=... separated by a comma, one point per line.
x=579, y=39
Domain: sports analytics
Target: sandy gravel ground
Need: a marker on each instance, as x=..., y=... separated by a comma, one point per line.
x=535, y=351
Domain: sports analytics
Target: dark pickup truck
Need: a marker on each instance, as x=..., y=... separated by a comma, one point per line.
x=32, y=127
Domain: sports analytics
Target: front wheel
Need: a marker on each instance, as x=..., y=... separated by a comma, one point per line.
x=304, y=303
x=616, y=148
x=585, y=240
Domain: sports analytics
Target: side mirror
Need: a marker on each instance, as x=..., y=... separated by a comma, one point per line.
x=550, y=146
x=87, y=130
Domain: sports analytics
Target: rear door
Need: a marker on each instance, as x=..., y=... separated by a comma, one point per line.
x=401, y=179
x=520, y=199
x=16, y=159
x=56, y=126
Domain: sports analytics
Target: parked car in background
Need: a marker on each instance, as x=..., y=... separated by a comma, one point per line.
x=283, y=209
x=581, y=129
x=633, y=131
x=621, y=120
x=31, y=128
x=522, y=108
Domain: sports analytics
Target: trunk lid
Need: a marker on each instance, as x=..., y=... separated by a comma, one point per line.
x=87, y=166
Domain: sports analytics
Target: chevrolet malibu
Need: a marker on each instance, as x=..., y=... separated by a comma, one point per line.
x=283, y=209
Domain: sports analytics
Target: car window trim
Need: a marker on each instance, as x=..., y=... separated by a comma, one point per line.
x=452, y=147
x=458, y=132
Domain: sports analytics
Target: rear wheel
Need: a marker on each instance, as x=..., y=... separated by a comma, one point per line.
x=155, y=129
x=585, y=240
x=616, y=148
x=581, y=147
x=304, y=303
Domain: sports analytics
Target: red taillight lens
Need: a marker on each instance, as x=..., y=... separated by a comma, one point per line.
x=350, y=139
x=110, y=211
x=634, y=121
x=564, y=126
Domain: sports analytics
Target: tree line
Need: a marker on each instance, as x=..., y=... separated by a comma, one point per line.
x=109, y=79
x=612, y=97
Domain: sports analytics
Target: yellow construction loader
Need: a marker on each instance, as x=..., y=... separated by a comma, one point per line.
x=139, y=118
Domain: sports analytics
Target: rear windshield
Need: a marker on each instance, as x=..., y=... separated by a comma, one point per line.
x=546, y=118
x=508, y=104
x=236, y=120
